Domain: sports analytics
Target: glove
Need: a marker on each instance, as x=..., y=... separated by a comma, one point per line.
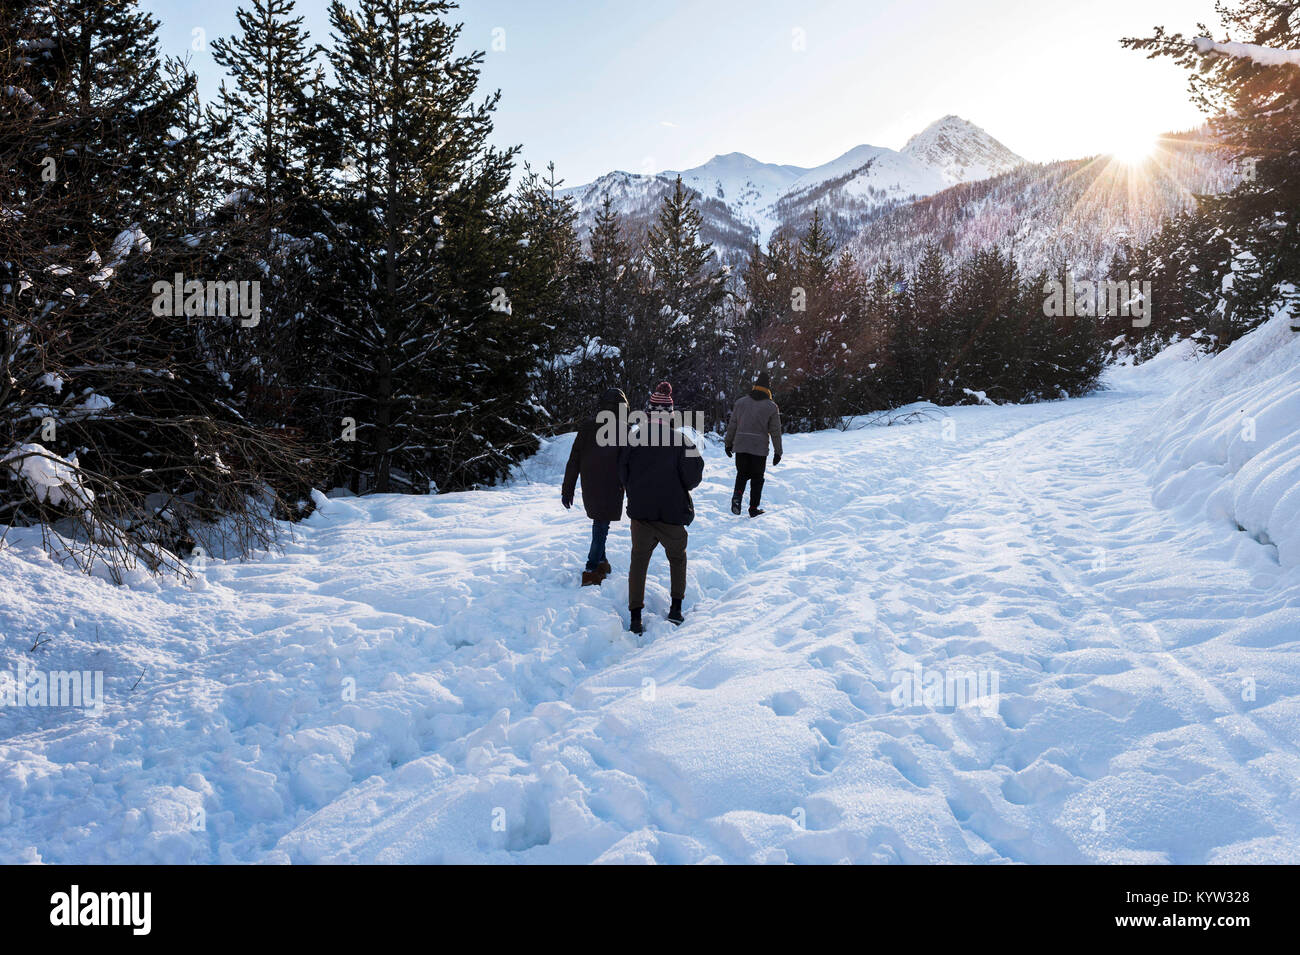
x=776, y=458
x=728, y=450
x=566, y=500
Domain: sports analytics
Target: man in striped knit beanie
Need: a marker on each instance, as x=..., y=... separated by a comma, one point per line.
x=661, y=399
x=659, y=476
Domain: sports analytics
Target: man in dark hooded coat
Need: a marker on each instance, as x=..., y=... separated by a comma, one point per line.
x=594, y=460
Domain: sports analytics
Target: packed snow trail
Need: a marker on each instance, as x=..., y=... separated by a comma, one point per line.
x=1147, y=666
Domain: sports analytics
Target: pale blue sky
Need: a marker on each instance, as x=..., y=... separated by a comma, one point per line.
x=647, y=85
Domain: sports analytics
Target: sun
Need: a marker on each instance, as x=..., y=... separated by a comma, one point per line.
x=1133, y=149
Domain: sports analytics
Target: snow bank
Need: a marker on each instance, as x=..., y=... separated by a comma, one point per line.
x=1226, y=444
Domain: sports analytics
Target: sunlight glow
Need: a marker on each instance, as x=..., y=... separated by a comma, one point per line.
x=1133, y=149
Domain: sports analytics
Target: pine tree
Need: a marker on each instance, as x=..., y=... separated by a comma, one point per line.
x=274, y=121
x=119, y=404
x=1255, y=112
x=104, y=55
x=607, y=275
x=433, y=366
x=270, y=66
x=681, y=331
x=929, y=291
x=543, y=282
x=984, y=318
x=887, y=315
x=816, y=252
x=593, y=339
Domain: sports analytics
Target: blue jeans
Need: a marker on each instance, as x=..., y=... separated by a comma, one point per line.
x=599, y=534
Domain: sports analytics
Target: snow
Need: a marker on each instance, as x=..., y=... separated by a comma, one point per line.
x=49, y=477
x=888, y=174
x=1225, y=446
x=747, y=186
x=592, y=350
x=420, y=679
x=960, y=151
x=1263, y=55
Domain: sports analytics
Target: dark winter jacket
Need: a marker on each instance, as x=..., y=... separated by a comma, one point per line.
x=602, y=492
x=754, y=419
x=659, y=477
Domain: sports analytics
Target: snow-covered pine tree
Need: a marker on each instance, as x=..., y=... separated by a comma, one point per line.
x=431, y=362
x=605, y=285
x=282, y=146
x=986, y=343
x=192, y=166
x=117, y=428
x=767, y=282
x=920, y=359
x=885, y=331
x=1254, y=105
x=269, y=63
x=542, y=276
x=814, y=337
x=681, y=331
x=586, y=351
x=816, y=252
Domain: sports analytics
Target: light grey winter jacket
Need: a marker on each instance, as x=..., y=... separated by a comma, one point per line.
x=752, y=422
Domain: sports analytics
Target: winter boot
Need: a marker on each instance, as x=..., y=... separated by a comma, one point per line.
x=735, y=505
x=604, y=568
x=592, y=577
x=675, y=612
x=755, y=511
x=635, y=626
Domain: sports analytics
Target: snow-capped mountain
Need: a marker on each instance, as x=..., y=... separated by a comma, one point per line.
x=745, y=200
x=952, y=184
x=1078, y=211
x=868, y=170
x=745, y=185
x=960, y=151
x=637, y=199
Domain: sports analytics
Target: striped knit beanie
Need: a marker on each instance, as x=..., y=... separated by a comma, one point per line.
x=661, y=399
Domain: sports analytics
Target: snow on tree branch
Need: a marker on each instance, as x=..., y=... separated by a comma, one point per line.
x=1263, y=55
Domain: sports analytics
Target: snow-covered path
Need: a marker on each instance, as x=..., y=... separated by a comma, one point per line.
x=1147, y=672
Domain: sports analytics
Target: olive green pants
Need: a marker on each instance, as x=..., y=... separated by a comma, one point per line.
x=646, y=536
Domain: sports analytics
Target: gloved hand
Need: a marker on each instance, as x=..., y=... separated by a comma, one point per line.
x=776, y=458
x=566, y=500
x=728, y=450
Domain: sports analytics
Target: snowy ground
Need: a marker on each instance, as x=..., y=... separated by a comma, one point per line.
x=1146, y=657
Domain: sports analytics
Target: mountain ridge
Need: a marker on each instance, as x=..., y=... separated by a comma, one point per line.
x=952, y=185
x=762, y=197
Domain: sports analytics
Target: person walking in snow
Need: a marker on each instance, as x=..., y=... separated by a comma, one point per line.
x=594, y=459
x=659, y=469
x=754, y=420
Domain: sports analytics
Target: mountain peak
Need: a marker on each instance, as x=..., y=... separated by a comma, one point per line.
x=732, y=159
x=960, y=151
x=951, y=124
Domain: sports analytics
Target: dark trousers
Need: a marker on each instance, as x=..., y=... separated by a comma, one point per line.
x=646, y=536
x=599, y=534
x=750, y=468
